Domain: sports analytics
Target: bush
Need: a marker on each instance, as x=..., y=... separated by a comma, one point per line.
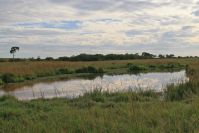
x=152, y=66
x=136, y=68
x=63, y=71
x=49, y=58
x=171, y=66
x=10, y=78
x=30, y=77
x=100, y=70
x=46, y=73
x=3, y=60
x=89, y=69
x=1, y=82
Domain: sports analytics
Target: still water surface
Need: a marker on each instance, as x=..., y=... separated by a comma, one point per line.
x=112, y=83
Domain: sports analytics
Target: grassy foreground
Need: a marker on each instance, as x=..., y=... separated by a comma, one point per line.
x=97, y=112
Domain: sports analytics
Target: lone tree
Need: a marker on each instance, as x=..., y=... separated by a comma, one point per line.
x=13, y=50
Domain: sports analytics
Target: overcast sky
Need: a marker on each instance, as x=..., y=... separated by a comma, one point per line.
x=69, y=27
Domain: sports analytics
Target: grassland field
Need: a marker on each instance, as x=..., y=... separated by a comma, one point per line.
x=46, y=68
x=176, y=111
x=34, y=67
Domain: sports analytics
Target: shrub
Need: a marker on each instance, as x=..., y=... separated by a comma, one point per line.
x=152, y=66
x=49, y=58
x=136, y=68
x=30, y=77
x=63, y=71
x=1, y=82
x=100, y=70
x=46, y=73
x=171, y=66
x=89, y=69
x=167, y=66
x=19, y=79
x=11, y=78
x=8, y=78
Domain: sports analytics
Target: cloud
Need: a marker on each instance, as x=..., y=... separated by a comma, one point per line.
x=98, y=26
x=89, y=5
x=196, y=13
x=96, y=5
x=69, y=25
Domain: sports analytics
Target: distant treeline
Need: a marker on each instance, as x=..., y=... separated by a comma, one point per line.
x=101, y=57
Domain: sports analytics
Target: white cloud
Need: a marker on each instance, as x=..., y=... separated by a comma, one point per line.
x=85, y=25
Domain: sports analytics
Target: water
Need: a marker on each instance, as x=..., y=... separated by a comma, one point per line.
x=112, y=83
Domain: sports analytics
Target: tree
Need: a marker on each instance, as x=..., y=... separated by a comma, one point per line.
x=148, y=55
x=13, y=50
x=161, y=56
x=170, y=56
x=38, y=58
x=49, y=58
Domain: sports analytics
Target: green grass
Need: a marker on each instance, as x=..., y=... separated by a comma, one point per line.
x=182, y=91
x=89, y=69
x=11, y=78
x=100, y=112
x=137, y=68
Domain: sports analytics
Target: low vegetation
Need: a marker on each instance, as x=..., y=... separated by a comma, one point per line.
x=135, y=68
x=12, y=72
x=182, y=91
x=11, y=78
x=100, y=112
x=89, y=69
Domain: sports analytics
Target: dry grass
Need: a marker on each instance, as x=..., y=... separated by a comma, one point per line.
x=31, y=68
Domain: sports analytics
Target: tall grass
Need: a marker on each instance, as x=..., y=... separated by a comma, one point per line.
x=99, y=112
x=29, y=70
x=189, y=90
x=35, y=67
x=182, y=91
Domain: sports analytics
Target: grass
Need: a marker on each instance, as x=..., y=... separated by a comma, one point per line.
x=100, y=112
x=182, y=91
x=36, y=67
x=175, y=110
x=89, y=69
x=12, y=72
x=137, y=68
x=6, y=78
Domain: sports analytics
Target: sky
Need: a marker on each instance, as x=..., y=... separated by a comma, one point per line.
x=54, y=28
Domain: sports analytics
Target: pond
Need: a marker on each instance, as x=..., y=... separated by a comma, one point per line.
x=112, y=83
